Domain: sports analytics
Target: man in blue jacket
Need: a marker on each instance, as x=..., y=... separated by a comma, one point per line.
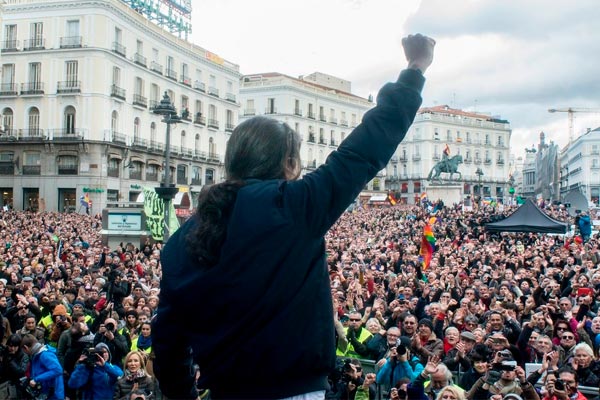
x=251, y=262
x=94, y=374
x=45, y=371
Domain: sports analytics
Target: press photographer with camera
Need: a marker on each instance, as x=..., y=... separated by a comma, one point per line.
x=562, y=385
x=94, y=375
x=350, y=378
x=117, y=343
x=400, y=364
x=45, y=370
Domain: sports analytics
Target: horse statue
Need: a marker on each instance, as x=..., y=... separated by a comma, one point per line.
x=449, y=166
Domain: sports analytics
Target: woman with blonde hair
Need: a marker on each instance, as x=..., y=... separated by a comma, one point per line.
x=135, y=377
x=451, y=393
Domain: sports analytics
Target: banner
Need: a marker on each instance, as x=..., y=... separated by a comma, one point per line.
x=155, y=214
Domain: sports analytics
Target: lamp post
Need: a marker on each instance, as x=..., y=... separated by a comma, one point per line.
x=479, y=174
x=167, y=191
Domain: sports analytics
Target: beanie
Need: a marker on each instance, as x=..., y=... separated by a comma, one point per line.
x=59, y=310
x=426, y=322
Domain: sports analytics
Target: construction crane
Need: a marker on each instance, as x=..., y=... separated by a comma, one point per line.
x=570, y=111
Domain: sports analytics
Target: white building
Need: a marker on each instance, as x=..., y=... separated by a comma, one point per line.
x=481, y=140
x=580, y=166
x=314, y=106
x=80, y=79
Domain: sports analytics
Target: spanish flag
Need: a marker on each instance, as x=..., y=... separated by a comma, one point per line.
x=427, y=246
x=392, y=199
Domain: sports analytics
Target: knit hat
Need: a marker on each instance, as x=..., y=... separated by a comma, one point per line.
x=426, y=322
x=59, y=310
x=79, y=303
x=103, y=347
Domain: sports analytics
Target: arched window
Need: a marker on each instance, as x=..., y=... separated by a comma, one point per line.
x=114, y=122
x=136, y=130
x=7, y=121
x=69, y=120
x=212, y=148
x=34, y=122
x=153, y=132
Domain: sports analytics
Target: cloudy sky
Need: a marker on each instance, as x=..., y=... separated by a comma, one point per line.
x=511, y=58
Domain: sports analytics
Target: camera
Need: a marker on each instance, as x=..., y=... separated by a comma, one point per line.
x=401, y=349
x=110, y=327
x=559, y=385
x=92, y=356
x=31, y=392
x=505, y=366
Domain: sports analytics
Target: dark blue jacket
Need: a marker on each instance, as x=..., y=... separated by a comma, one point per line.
x=101, y=383
x=260, y=323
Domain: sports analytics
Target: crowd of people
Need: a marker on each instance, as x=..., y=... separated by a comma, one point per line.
x=493, y=316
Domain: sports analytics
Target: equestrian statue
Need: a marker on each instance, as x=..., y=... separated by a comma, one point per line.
x=448, y=165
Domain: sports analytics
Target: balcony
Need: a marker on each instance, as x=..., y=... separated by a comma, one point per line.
x=403, y=158
x=185, y=115
x=332, y=142
x=213, y=91
x=213, y=157
x=156, y=67
x=140, y=101
x=322, y=118
x=200, y=155
x=32, y=170
x=230, y=97
x=310, y=115
x=249, y=111
x=196, y=181
x=139, y=142
x=229, y=127
x=200, y=86
x=171, y=74
x=67, y=170
x=182, y=179
x=117, y=92
x=186, y=80
x=311, y=138
x=298, y=112
x=152, y=104
x=9, y=134
x=119, y=49
x=7, y=168
x=10, y=45
x=322, y=141
x=66, y=134
x=333, y=121
x=34, y=44
x=487, y=161
x=140, y=59
x=213, y=123
x=477, y=161
x=152, y=177
x=416, y=157
x=68, y=87
x=31, y=134
x=137, y=175
x=468, y=160
x=32, y=88
x=70, y=42
x=199, y=120
x=8, y=89
x=271, y=110
x=500, y=162
x=156, y=146
x=113, y=172
x=343, y=122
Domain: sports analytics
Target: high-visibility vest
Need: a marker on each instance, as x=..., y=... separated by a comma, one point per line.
x=364, y=335
x=134, y=346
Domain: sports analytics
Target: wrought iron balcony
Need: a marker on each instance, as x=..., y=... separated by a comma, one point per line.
x=310, y=115
x=152, y=177
x=249, y=111
x=196, y=181
x=10, y=45
x=182, y=179
x=270, y=110
x=333, y=120
x=32, y=88
x=31, y=134
x=118, y=92
x=8, y=89
x=199, y=120
x=32, y=170
x=322, y=118
x=213, y=123
x=119, y=49
x=156, y=67
x=171, y=74
x=7, y=168
x=139, y=142
x=139, y=100
x=230, y=97
x=113, y=172
x=152, y=104
x=66, y=87
x=70, y=42
x=213, y=91
x=298, y=112
x=140, y=59
x=311, y=139
x=135, y=174
x=229, y=127
x=200, y=86
x=343, y=122
x=68, y=170
x=186, y=80
x=34, y=44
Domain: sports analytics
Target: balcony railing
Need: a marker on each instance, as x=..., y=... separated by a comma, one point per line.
x=477, y=161
x=271, y=110
x=133, y=174
x=333, y=120
x=332, y=142
x=229, y=127
x=139, y=142
x=322, y=141
x=186, y=80
x=200, y=120
x=140, y=59
x=196, y=181
x=65, y=87
x=214, y=157
x=249, y=111
x=8, y=89
x=468, y=160
x=500, y=162
x=213, y=123
x=113, y=172
x=118, y=137
x=67, y=170
x=343, y=122
x=403, y=158
x=416, y=157
x=31, y=134
x=7, y=168
x=298, y=112
x=139, y=100
x=322, y=118
x=311, y=139
x=156, y=67
x=152, y=104
x=32, y=170
x=230, y=97
x=171, y=74
x=118, y=92
x=34, y=44
x=182, y=180
x=310, y=115
x=213, y=91
x=10, y=45
x=119, y=49
x=153, y=177
x=200, y=155
x=200, y=86
x=70, y=42
x=487, y=161
x=66, y=134
x=32, y=88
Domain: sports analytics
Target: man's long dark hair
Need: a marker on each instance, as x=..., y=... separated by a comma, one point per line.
x=259, y=148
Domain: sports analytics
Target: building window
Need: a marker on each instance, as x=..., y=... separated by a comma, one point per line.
x=136, y=130
x=34, y=122
x=35, y=73
x=69, y=119
x=8, y=78
x=212, y=147
x=209, y=176
x=114, y=122
x=196, y=175
x=67, y=165
x=7, y=121
x=153, y=132
x=7, y=166
x=197, y=144
x=32, y=163
x=116, y=76
x=183, y=142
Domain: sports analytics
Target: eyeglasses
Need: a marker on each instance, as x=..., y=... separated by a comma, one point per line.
x=561, y=328
x=355, y=320
x=409, y=323
x=568, y=337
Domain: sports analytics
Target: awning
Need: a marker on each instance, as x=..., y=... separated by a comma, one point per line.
x=181, y=200
x=115, y=156
x=153, y=162
x=378, y=198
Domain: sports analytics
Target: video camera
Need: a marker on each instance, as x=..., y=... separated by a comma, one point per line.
x=505, y=366
x=32, y=392
x=91, y=356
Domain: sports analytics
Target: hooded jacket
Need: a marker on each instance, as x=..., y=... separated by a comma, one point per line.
x=46, y=370
x=98, y=382
x=272, y=337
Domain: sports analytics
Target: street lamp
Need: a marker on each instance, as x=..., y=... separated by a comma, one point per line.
x=167, y=191
x=479, y=174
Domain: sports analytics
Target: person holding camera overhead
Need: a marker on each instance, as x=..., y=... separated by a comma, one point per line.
x=117, y=343
x=94, y=374
x=400, y=364
x=45, y=373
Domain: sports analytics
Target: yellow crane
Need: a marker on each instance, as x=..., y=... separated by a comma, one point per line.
x=570, y=111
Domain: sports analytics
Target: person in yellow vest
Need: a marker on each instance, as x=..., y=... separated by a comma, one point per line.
x=79, y=306
x=357, y=338
x=144, y=341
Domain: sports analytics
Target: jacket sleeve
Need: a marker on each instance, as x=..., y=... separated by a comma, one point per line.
x=53, y=370
x=113, y=371
x=324, y=194
x=79, y=377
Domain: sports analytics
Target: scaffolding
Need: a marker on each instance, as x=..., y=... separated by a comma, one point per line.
x=172, y=15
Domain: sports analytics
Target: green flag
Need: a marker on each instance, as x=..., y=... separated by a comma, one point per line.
x=155, y=214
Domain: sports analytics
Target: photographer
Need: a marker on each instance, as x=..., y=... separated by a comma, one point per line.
x=503, y=378
x=350, y=379
x=13, y=366
x=564, y=387
x=400, y=364
x=46, y=373
x=117, y=343
x=94, y=375
x=117, y=289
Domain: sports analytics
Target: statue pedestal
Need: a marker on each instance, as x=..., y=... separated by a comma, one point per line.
x=450, y=193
